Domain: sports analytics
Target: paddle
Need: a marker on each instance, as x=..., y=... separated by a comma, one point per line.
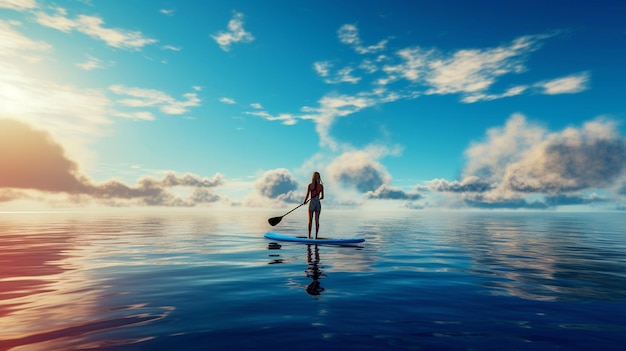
x=275, y=220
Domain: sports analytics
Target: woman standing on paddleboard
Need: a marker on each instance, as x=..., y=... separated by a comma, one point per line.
x=316, y=189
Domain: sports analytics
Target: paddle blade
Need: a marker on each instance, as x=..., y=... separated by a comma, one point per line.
x=274, y=220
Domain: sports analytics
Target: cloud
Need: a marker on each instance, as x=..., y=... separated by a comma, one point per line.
x=471, y=184
x=349, y=35
x=167, y=12
x=512, y=203
x=343, y=75
x=470, y=72
x=593, y=156
x=171, y=47
x=235, y=33
x=228, y=101
x=153, y=192
x=332, y=107
x=77, y=116
x=93, y=63
x=18, y=5
x=564, y=200
x=571, y=84
x=488, y=160
x=387, y=192
x=285, y=118
x=277, y=184
x=33, y=160
x=322, y=68
x=140, y=97
x=93, y=27
x=360, y=170
x=15, y=44
x=522, y=160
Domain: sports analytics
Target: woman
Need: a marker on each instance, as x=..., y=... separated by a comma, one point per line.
x=316, y=189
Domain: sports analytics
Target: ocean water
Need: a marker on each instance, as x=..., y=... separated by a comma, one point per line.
x=210, y=281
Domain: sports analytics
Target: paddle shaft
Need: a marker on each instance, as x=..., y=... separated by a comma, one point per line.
x=297, y=207
x=275, y=220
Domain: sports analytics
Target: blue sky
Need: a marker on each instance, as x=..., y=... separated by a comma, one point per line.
x=421, y=105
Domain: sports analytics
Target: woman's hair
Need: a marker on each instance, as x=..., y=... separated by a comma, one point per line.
x=316, y=178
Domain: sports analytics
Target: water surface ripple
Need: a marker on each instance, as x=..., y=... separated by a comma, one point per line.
x=209, y=280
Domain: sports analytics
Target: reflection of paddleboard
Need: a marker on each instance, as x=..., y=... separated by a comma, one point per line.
x=304, y=239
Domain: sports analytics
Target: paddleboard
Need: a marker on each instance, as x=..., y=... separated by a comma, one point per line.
x=304, y=239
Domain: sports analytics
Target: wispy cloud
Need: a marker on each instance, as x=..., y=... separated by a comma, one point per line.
x=167, y=12
x=94, y=27
x=284, y=118
x=469, y=72
x=414, y=72
x=171, y=48
x=18, y=5
x=349, y=35
x=571, y=84
x=94, y=63
x=140, y=97
x=344, y=75
x=228, y=101
x=15, y=44
x=235, y=33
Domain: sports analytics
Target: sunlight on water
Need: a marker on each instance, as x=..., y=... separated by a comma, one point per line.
x=210, y=280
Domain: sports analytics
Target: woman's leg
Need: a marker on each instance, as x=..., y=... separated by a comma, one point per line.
x=317, y=223
x=310, y=222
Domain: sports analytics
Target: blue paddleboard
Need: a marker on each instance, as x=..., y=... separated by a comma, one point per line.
x=304, y=239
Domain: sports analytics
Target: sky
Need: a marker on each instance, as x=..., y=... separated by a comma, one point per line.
x=500, y=105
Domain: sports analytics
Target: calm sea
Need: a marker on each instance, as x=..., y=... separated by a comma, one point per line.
x=210, y=281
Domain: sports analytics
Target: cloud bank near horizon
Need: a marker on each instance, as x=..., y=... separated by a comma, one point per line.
x=33, y=161
x=523, y=160
x=518, y=165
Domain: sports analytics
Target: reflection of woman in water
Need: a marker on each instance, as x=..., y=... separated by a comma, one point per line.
x=313, y=271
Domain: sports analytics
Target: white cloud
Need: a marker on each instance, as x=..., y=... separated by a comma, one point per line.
x=349, y=35
x=93, y=63
x=93, y=27
x=361, y=169
x=228, y=101
x=514, y=91
x=139, y=97
x=138, y=115
x=330, y=108
x=469, y=72
x=322, y=68
x=524, y=165
x=18, y=5
x=256, y=105
x=171, y=48
x=167, y=12
x=15, y=44
x=284, y=118
x=503, y=145
x=571, y=84
x=235, y=33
